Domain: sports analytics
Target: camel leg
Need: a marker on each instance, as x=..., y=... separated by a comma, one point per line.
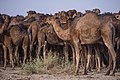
x=89, y=56
x=31, y=43
x=97, y=52
x=25, y=54
x=25, y=48
x=66, y=53
x=76, y=46
x=16, y=55
x=44, y=51
x=110, y=62
x=31, y=52
x=38, y=53
x=11, y=56
x=73, y=52
x=84, y=58
x=109, y=44
x=5, y=55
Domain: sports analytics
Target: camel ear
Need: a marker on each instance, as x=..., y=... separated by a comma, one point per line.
x=119, y=12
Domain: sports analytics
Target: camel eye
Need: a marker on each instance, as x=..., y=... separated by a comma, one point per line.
x=117, y=16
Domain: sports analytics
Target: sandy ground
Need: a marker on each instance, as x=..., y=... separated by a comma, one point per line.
x=16, y=74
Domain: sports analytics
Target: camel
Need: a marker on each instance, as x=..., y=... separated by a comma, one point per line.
x=116, y=24
x=6, y=39
x=10, y=37
x=117, y=39
x=33, y=21
x=90, y=29
x=19, y=36
x=47, y=34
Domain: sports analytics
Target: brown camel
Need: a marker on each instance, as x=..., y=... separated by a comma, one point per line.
x=90, y=29
x=9, y=37
x=19, y=37
x=6, y=39
x=47, y=33
x=33, y=21
x=116, y=23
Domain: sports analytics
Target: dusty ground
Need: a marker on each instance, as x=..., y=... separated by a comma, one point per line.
x=16, y=74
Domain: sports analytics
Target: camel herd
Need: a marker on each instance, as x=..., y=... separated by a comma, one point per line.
x=81, y=37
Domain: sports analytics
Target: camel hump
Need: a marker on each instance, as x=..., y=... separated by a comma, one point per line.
x=89, y=27
x=91, y=15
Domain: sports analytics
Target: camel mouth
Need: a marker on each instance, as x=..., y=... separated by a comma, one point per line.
x=64, y=22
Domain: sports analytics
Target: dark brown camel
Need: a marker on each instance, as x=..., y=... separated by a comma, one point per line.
x=6, y=40
x=87, y=32
x=35, y=19
x=14, y=36
x=19, y=37
x=47, y=33
x=11, y=36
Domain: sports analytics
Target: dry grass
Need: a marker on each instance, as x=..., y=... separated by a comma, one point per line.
x=52, y=65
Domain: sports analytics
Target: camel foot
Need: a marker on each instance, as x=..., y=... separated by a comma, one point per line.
x=13, y=68
x=107, y=73
x=4, y=68
x=84, y=73
x=98, y=71
x=76, y=73
x=112, y=74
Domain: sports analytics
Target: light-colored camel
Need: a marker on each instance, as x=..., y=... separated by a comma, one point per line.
x=90, y=29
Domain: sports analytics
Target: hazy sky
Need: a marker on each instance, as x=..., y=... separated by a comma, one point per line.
x=14, y=7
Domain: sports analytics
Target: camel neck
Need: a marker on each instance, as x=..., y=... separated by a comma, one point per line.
x=61, y=33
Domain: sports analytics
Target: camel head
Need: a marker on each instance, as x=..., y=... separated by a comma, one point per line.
x=52, y=20
x=31, y=12
x=20, y=17
x=71, y=13
x=62, y=16
x=35, y=17
x=6, y=19
x=63, y=19
x=29, y=18
x=16, y=20
x=96, y=10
